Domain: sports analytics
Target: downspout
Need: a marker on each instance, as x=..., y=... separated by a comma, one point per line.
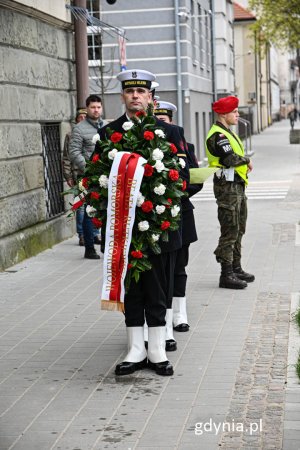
x=178, y=64
x=213, y=50
x=81, y=55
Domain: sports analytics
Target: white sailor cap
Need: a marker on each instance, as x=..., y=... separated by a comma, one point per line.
x=136, y=78
x=154, y=85
x=165, y=109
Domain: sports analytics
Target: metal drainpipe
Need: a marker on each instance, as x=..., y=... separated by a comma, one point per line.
x=213, y=49
x=81, y=55
x=178, y=65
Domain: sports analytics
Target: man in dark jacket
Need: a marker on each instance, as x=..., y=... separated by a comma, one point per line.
x=176, y=312
x=148, y=297
x=81, y=148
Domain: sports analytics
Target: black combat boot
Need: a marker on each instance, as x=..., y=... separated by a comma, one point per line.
x=228, y=279
x=90, y=253
x=241, y=274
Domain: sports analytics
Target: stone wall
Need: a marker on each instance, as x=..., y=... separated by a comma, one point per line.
x=37, y=84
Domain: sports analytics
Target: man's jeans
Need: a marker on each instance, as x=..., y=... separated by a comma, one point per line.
x=79, y=223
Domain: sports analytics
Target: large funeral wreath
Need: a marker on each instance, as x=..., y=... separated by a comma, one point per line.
x=159, y=200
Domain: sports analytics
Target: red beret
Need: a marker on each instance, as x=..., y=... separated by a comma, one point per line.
x=225, y=105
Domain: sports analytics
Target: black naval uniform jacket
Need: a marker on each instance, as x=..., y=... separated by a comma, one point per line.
x=189, y=233
x=172, y=135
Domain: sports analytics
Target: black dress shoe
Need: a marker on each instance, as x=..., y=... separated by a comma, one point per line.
x=171, y=345
x=90, y=253
x=164, y=368
x=125, y=367
x=182, y=327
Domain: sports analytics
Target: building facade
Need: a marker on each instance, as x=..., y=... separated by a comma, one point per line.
x=37, y=97
x=175, y=40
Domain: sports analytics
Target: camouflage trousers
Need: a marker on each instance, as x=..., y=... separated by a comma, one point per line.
x=232, y=214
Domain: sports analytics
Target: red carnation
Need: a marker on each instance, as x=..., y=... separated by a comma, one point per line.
x=165, y=225
x=140, y=113
x=169, y=200
x=173, y=148
x=77, y=205
x=85, y=182
x=116, y=137
x=95, y=195
x=97, y=222
x=147, y=206
x=184, y=185
x=148, y=170
x=129, y=266
x=137, y=254
x=148, y=135
x=95, y=158
x=173, y=174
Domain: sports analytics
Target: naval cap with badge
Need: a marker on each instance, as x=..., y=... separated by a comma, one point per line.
x=225, y=105
x=136, y=78
x=165, y=109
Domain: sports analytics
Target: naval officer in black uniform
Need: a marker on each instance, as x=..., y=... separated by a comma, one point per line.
x=176, y=313
x=148, y=297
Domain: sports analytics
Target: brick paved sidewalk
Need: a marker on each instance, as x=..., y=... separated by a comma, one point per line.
x=58, y=350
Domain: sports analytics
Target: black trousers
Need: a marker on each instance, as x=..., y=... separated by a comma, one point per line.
x=180, y=276
x=149, y=297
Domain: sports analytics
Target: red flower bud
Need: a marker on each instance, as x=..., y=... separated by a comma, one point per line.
x=184, y=185
x=95, y=158
x=165, y=225
x=173, y=148
x=116, y=137
x=147, y=206
x=148, y=170
x=148, y=135
x=95, y=195
x=140, y=114
x=137, y=254
x=97, y=222
x=173, y=174
x=129, y=266
x=85, y=182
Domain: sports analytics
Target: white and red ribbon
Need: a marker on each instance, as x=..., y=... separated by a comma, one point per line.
x=123, y=187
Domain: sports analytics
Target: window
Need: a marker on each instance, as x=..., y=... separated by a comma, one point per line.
x=52, y=169
x=94, y=46
x=197, y=136
x=194, y=32
x=93, y=8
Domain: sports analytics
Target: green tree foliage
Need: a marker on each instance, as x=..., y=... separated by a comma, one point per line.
x=278, y=21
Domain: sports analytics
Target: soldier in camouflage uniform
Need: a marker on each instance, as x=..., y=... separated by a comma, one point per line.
x=225, y=150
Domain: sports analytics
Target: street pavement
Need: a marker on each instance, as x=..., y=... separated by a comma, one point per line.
x=234, y=386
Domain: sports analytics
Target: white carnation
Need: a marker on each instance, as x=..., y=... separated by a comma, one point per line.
x=140, y=199
x=95, y=138
x=80, y=186
x=143, y=226
x=175, y=210
x=112, y=153
x=90, y=210
x=159, y=166
x=160, y=209
x=157, y=154
x=160, y=133
x=182, y=162
x=155, y=237
x=127, y=125
x=160, y=189
x=103, y=181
